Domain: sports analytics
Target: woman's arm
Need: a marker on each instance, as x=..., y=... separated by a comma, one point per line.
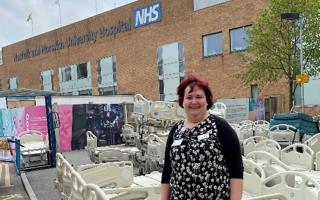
x=164, y=191
x=236, y=186
x=231, y=150
x=166, y=173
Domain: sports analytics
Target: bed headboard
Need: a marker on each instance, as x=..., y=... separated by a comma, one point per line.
x=31, y=136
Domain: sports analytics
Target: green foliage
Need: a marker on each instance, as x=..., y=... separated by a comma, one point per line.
x=274, y=43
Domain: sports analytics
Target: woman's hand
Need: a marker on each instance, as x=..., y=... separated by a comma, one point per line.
x=164, y=191
x=236, y=187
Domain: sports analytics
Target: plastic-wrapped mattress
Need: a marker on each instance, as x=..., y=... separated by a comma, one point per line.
x=305, y=123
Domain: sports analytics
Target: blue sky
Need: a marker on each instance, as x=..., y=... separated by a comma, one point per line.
x=45, y=16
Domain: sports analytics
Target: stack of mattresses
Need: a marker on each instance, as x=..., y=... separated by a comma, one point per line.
x=303, y=122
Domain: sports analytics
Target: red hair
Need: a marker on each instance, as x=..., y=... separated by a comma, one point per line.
x=191, y=81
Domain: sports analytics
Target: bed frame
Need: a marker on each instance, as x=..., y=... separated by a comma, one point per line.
x=34, y=150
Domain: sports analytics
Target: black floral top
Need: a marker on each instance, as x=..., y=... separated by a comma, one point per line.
x=200, y=161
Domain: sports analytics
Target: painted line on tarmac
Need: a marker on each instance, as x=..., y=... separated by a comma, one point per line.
x=7, y=179
x=10, y=197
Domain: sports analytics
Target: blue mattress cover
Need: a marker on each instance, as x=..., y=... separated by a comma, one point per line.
x=286, y=116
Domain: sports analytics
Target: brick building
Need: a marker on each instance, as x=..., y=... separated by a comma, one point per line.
x=144, y=47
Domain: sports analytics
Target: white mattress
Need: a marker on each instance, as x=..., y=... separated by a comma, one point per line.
x=315, y=175
x=155, y=175
x=140, y=182
x=144, y=181
x=33, y=148
x=246, y=195
x=125, y=149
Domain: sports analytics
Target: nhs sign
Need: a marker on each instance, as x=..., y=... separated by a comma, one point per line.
x=147, y=15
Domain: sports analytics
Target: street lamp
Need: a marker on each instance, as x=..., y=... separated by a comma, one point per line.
x=297, y=17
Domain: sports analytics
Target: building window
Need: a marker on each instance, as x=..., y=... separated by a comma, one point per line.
x=13, y=83
x=212, y=44
x=254, y=92
x=46, y=80
x=75, y=79
x=200, y=4
x=254, y=97
x=239, y=38
x=66, y=74
x=170, y=69
x=1, y=56
x=82, y=70
x=111, y=90
x=67, y=94
x=107, y=76
x=85, y=92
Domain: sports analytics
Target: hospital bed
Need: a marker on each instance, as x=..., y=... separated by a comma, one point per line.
x=34, y=149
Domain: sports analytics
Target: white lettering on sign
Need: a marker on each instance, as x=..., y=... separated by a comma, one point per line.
x=147, y=15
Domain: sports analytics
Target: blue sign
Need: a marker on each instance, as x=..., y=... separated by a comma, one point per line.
x=147, y=15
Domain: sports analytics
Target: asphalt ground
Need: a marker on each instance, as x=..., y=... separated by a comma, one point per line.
x=42, y=180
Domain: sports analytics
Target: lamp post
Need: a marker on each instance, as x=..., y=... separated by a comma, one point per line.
x=297, y=17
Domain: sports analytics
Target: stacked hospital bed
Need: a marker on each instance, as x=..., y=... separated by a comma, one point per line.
x=108, y=153
x=113, y=180
x=278, y=163
x=265, y=178
x=270, y=173
x=145, y=141
x=291, y=172
x=34, y=149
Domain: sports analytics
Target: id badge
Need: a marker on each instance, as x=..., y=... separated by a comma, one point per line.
x=177, y=142
x=203, y=136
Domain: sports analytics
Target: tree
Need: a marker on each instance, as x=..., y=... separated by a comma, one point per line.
x=274, y=44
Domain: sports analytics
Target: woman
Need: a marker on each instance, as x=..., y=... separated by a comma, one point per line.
x=202, y=157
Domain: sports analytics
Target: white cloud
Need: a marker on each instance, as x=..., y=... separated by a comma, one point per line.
x=45, y=15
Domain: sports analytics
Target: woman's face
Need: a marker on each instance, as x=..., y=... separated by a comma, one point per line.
x=195, y=102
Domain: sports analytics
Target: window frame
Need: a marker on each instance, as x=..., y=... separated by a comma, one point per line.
x=222, y=45
x=85, y=92
x=79, y=70
x=107, y=89
x=17, y=83
x=65, y=75
x=42, y=79
x=162, y=75
x=230, y=38
x=254, y=91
